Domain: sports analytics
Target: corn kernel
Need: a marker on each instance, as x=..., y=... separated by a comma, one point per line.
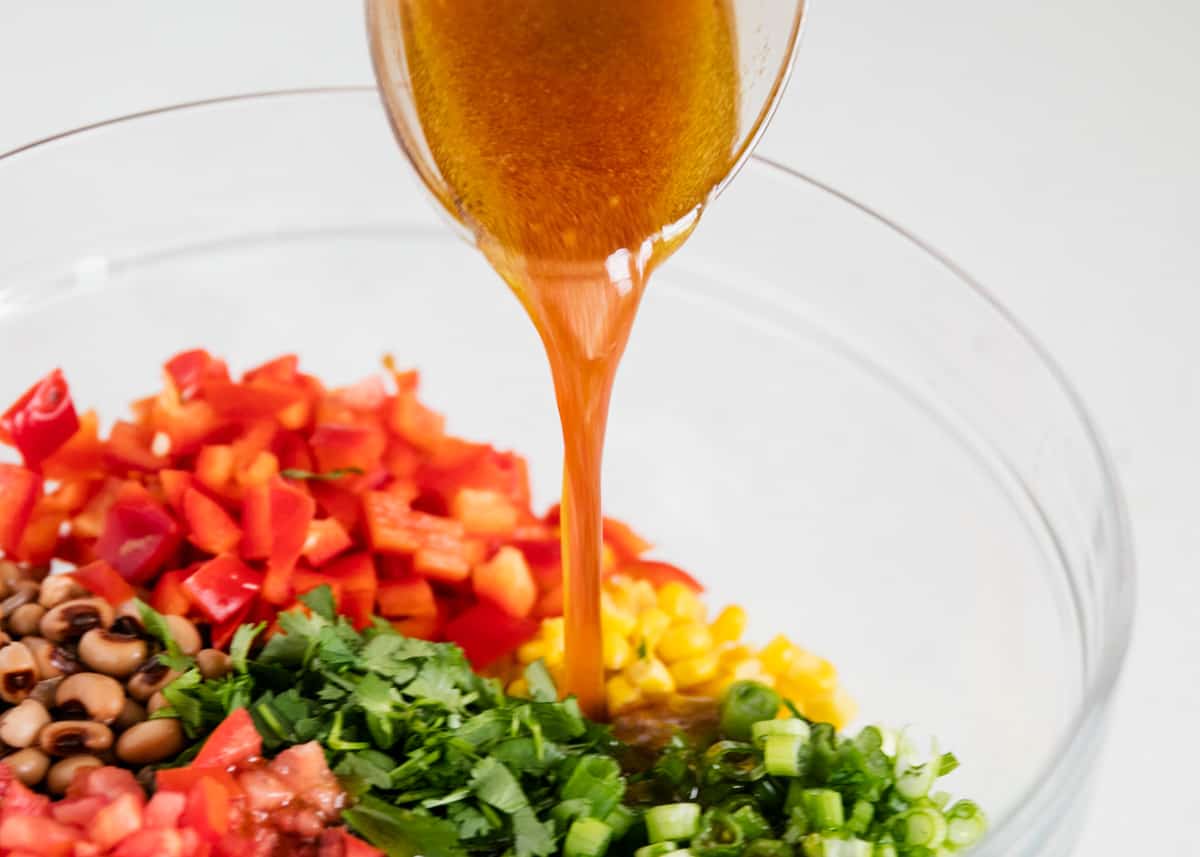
x=519, y=687
x=642, y=595
x=713, y=688
x=729, y=625
x=554, y=658
x=809, y=675
x=650, y=676
x=695, y=670
x=778, y=653
x=554, y=632
x=615, y=618
x=751, y=669
x=531, y=651
x=621, y=694
x=680, y=602
x=651, y=625
x=733, y=654
x=617, y=651
x=684, y=641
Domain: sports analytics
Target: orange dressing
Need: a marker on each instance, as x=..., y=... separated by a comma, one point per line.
x=578, y=141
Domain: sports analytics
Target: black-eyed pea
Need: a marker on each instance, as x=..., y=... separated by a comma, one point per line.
x=59, y=777
x=151, y=677
x=18, y=673
x=156, y=702
x=150, y=741
x=64, y=738
x=29, y=766
x=52, y=659
x=101, y=697
x=113, y=654
x=20, y=725
x=131, y=714
x=46, y=690
x=58, y=588
x=26, y=619
x=20, y=593
x=70, y=620
x=213, y=663
x=185, y=634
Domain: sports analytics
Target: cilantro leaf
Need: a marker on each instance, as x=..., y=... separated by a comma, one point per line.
x=239, y=649
x=533, y=838
x=320, y=601
x=541, y=685
x=471, y=823
x=494, y=784
x=403, y=832
x=156, y=626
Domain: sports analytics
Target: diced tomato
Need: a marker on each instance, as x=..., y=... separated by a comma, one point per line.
x=119, y=819
x=100, y=578
x=180, y=780
x=359, y=585
x=139, y=536
x=506, y=581
x=233, y=742
x=164, y=809
x=210, y=527
x=207, y=809
x=256, y=522
x=41, y=420
x=337, y=842
x=215, y=466
x=326, y=539
x=107, y=782
x=155, y=842
x=77, y=811
x=486, y=633
x=42, y=836
x=19, y=490
x=222, y=587
x=304, y=769
x=658, y=573
x=407, y=597
x=169, y=596
x=19, y=800
x=129, y=448
x=292, y=510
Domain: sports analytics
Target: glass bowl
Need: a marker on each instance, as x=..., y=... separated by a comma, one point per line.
x=819, y=415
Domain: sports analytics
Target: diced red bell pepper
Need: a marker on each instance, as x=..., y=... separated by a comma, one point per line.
x=207, y=810
x=39, y=542
x=658, y=573
x=42, y=420
x=406, y=597
x=174, y=484
x=483, y=511
x=82, y=455
x=394, y=527
x=359, y=583
x=222, y=587
x=627, y=544
x=281, y=370
x=481, y=467
x=326, y=539
x=506, y=581
x=222, y=632
x=215, y=466
x=550, y=603
x=486, y=633
x=169, y=596
x=210, y=527
x=102, y=580
x=234, y=742
x=340, y=447
x=292, y=510
x=259, y=470
x=255, y=400
x=129, y=449
x=187, y=424
x=421, y=627
x=256, y=522
x=138, y=536
x=291, y=449
x=417, y=424
x=189, y=371
x=304, y=581
x=19, y=490
x=89, y=522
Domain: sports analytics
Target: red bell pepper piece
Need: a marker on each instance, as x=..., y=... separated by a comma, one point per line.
x=138, y=536
x=174, y=484
x=421, y=627
x=19, y=490
x=627, y=544
x=658, y=573
x=394, y=527
x=359, y=583
x=187, y=424
x=292, y=510
x=101, y=579
x=169, y=596
x=190, y=370
x=505, y=580
x=81, y=456
x=326, y=539
x=222, y=632
x=486, y=633
x=256, y=522
x=339, y=447
x=39, y=542
x=406, y=597
x=281, y=370
x=215, y=466
x=207, y=810
x=210, y=527
x=222, y=587
x=304, y=581
x=129, y=448
x=414, y=422
x=234, y=742
x=42, y=420
x=255, y=400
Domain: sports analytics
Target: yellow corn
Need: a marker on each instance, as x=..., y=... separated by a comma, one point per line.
x=518, y=687
x=680, y=602
x=651, y=625
x=651, y=677
x=777, y=654
x=684, y=641
x=621, y=694
x=531, y=651
x=729, y=625
x=617, y=651
x=618, y=619
x=693, y=671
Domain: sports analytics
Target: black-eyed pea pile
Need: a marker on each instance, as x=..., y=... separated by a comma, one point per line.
x=79, y=680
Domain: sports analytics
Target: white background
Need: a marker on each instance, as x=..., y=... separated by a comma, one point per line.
x=1052, y=148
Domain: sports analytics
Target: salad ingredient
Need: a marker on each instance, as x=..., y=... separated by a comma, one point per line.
x=41, y=421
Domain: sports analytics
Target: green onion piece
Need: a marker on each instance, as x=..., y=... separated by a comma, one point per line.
x=785, y=726
x=921, y=825
x=620, y=820
x=824, y=845
x=596, y=779
x=588, y=837
x=656, y=849
x=672, y=821
x=767, y=848
x=915, y=780
x=885, y=849
x=949, y=763
x=823, y=808
x=735, y=760
x=965, y=824
x=861, y=816
x=718, y=836
x=680, y=852
x=744, y=704
x=751, y=822
x=781, y=754
x=567, y=811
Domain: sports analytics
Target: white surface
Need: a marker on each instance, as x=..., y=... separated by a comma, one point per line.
x=1049, y=148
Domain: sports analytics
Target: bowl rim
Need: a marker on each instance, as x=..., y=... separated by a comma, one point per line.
x=1061, y=778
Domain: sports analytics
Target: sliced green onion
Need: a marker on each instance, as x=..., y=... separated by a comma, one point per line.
x=672, y=821
x=781, y=754
x=718, y=836
x=915, y=780
x=922, y=825
x=596, y=779
x=567, y=811
x=620, y=820
x=823, y=845
x=767, y=848
x=735, y=760
x=948, y=764
x=885, y=849
x=861, y=816
x=965, y=824
x=744, y=704
x=785, y=726
x=751, y=822
x=681, y=852
x=588, y=837
x=823, y=808
x=656, y=849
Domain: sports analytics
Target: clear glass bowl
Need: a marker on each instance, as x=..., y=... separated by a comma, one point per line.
x=818, y=414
